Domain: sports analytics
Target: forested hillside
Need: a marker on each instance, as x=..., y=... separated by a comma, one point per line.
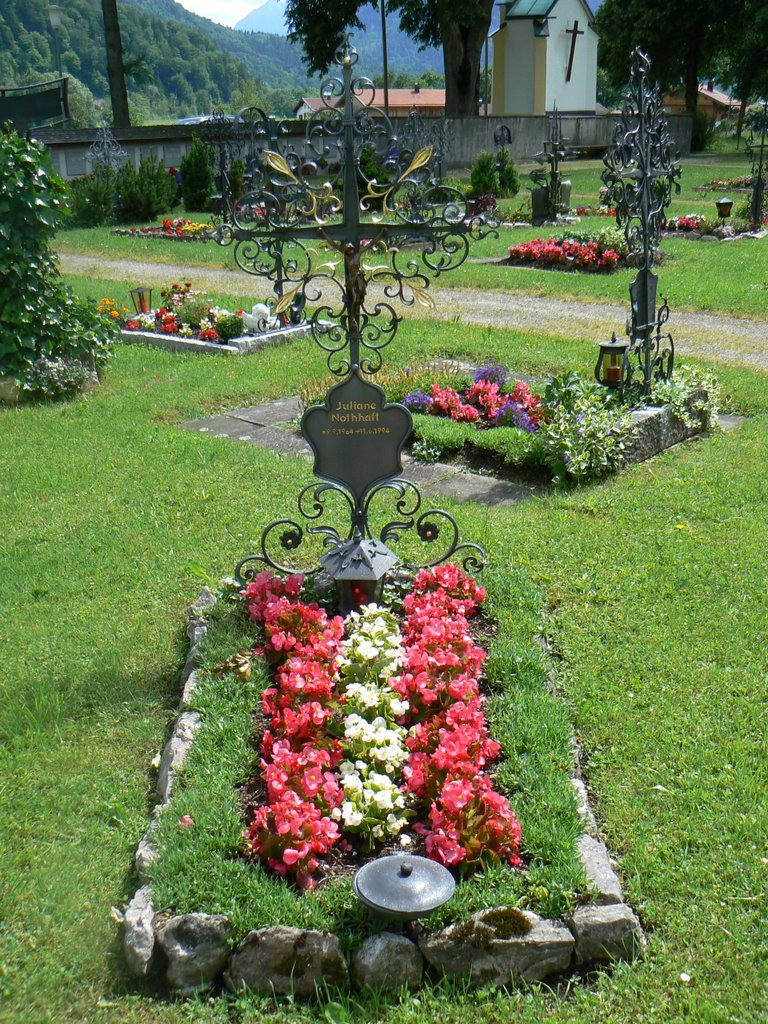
x=405, y=58
x=188, y=65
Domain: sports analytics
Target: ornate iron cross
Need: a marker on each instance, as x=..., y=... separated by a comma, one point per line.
x=640, y=175
x=757, y=153
x=320, y=225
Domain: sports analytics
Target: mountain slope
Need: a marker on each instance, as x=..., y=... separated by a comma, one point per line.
x=193, y=65
x=403, y=54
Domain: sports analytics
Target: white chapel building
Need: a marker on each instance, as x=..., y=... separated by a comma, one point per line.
x=544, y=56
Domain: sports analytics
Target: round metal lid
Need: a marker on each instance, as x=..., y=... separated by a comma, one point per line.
x=404, y=886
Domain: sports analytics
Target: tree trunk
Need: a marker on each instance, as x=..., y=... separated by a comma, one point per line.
x=692, y=79
x=462, y=58
x=121, y=117
x=744, y=100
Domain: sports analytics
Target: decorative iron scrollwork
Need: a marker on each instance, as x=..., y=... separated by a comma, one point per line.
x=322, y=227
x=433, y=527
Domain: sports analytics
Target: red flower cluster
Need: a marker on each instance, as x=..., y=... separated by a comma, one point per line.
x=447, y=402
x=566, y=253
x=298, y=751
x=449, y=739
x=449, y=744
x=483, y=403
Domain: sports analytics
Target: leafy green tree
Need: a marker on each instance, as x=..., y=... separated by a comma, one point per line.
x=682, y=38
x=742, y=67
x=459, y=26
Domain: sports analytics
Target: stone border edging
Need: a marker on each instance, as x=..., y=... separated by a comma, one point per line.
x=242, y=346
x=499, y=945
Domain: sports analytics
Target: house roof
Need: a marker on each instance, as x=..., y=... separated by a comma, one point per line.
x=402, y=98
x=537, y=9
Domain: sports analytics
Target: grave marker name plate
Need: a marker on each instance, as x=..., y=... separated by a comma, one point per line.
x=356, y=436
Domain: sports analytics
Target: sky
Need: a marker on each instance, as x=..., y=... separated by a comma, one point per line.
x=225, y=12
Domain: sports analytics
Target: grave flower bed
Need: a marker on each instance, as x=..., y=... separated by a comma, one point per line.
x=688, y=222
x=187, y=313
x=177, y=229
x=602, y=252
x=375, y=730
x=487, y=402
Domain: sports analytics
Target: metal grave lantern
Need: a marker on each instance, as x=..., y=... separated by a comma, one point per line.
x=641, y=171
x=724, y=207
x=142, y=299
x=326, y=235
x=611, y=367
x=402, y=887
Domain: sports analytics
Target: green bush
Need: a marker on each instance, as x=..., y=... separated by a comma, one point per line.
x=144, y=193
x=236, y=178
x=92, y=201
x=507, y=175
x=484, y=177
x=57, y=378
x=197, y=176
x=701, y=131
x=39, y=317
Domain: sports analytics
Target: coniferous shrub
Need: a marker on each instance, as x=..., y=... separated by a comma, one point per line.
x=507, y=175
x=483, y=177
x=144, y=193
x=40, y=318
x=92, y=201
x=197, y=176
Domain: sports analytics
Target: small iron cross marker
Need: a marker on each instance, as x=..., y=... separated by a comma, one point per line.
x=572, y=32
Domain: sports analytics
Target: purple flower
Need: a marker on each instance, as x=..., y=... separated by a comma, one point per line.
x=417, y=401
x=494, y=373
x=512, y=414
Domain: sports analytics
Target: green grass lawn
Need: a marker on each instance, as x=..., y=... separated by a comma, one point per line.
x=650, y=587
x=729, y=278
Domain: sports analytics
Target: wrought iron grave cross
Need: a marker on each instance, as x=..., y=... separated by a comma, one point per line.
x=641, y=171
x=757, y=153
x=321, y=224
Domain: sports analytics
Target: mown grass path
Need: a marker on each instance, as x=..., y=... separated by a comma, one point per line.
x=707, y=336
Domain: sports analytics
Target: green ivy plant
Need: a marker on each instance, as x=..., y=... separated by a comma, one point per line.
x=585, y=436
x=692, y=394
x=40, y=318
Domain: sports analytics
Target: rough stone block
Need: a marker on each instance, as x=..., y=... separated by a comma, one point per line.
x=287, y=961
x=604, y=934
x=499, y=946
x=601, y=877
x=176, y=751
x=197, y=947
x=146, y=854
x=139, y=937
x=388, y=961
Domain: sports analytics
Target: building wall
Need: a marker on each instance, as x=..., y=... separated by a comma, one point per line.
x=471, y=135
x=581, y=92
x=529, y=71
